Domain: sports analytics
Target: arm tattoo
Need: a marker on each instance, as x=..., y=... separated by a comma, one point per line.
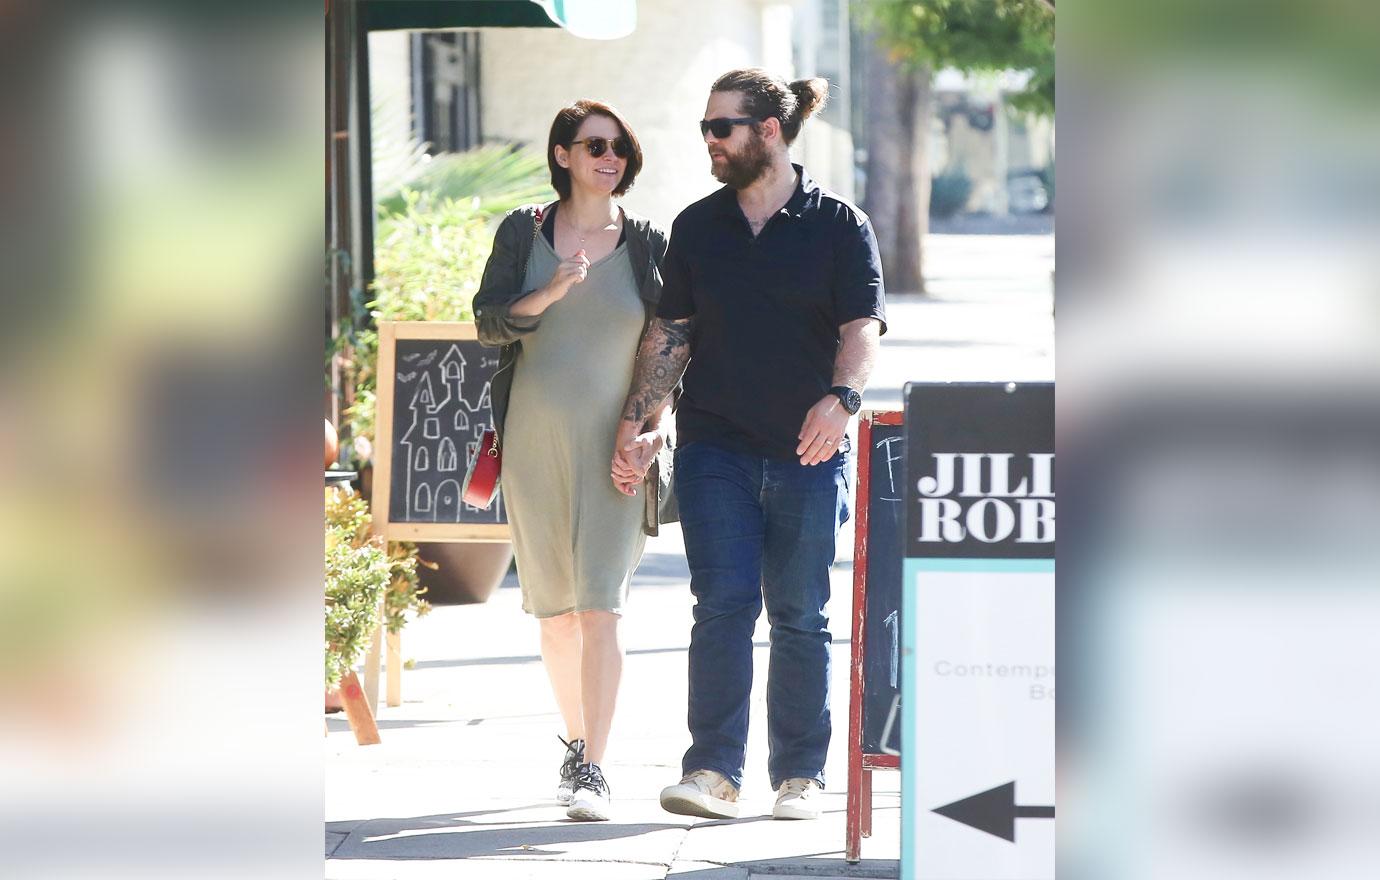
x=661, y=359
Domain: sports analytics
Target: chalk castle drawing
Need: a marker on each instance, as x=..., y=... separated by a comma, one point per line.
x=445, y=430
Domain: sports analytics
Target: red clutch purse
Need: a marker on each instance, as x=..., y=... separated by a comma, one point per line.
x=481, y=483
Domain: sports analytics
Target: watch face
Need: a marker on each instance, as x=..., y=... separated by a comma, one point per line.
x=852, y=400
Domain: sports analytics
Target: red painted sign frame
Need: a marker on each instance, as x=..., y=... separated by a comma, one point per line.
x=861, y=764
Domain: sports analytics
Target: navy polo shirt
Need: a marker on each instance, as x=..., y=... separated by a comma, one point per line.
x=767, y=312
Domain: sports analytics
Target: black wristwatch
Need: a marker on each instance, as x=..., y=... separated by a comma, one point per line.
x=852, y=400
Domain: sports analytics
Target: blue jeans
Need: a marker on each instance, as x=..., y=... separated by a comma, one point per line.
x=759, y=529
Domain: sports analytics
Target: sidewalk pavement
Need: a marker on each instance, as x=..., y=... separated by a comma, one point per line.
x=462, y=785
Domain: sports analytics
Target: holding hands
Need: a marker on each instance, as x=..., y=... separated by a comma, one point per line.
x=633, y=454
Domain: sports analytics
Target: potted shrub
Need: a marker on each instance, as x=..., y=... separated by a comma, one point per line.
x=361, y=568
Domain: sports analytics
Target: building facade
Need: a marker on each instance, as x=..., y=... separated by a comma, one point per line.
x=462, y=88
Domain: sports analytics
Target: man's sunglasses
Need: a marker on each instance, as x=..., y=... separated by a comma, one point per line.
x=722, y=127
x=622, y=147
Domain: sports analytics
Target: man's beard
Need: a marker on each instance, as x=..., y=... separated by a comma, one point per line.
x=746, y=167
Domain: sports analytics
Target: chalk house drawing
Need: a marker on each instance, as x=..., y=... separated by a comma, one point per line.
x=443, y=421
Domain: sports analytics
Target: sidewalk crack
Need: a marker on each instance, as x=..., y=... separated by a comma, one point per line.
x=675, y=854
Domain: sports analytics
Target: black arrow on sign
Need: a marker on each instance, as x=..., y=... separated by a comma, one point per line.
x=993, y=811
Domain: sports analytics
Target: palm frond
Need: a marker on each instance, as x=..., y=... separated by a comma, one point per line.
x=495, y=178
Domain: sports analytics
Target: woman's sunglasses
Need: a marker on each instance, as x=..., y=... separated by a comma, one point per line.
x=622, y=147
x=722, y=126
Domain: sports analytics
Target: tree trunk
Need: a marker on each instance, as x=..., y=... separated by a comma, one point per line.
x=898, y=180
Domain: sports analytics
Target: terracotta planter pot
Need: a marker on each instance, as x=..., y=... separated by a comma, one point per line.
x=466, y=573
x=332, y=445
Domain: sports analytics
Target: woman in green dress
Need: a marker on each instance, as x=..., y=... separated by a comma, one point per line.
x=568, y=292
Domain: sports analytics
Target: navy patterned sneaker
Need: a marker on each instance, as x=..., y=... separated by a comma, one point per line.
x=574, y=757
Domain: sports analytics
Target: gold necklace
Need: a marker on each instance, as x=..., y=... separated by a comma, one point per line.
x=582, y=236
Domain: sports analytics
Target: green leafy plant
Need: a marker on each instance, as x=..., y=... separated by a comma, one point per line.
x=361, y=569
x=426, y=269
x=398, y=157
x=972, y=36
x=492, y=179
x=405, y=592
x=357, y=572
x=433, y=234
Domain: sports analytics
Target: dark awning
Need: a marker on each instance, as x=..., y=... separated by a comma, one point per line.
x=393, y=15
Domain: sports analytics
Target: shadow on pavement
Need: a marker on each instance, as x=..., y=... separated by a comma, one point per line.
x=803, y=866
x=348, y=825
x=456, y=836
x=339, y=724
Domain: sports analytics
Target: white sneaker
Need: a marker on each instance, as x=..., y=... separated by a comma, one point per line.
x=797, y=799
x=704, y=793
x=590, y=802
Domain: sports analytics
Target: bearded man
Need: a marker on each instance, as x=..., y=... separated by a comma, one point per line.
x=771, y=309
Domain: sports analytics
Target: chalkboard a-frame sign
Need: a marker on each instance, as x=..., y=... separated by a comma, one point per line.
x=874, y=686
x=433, y=406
